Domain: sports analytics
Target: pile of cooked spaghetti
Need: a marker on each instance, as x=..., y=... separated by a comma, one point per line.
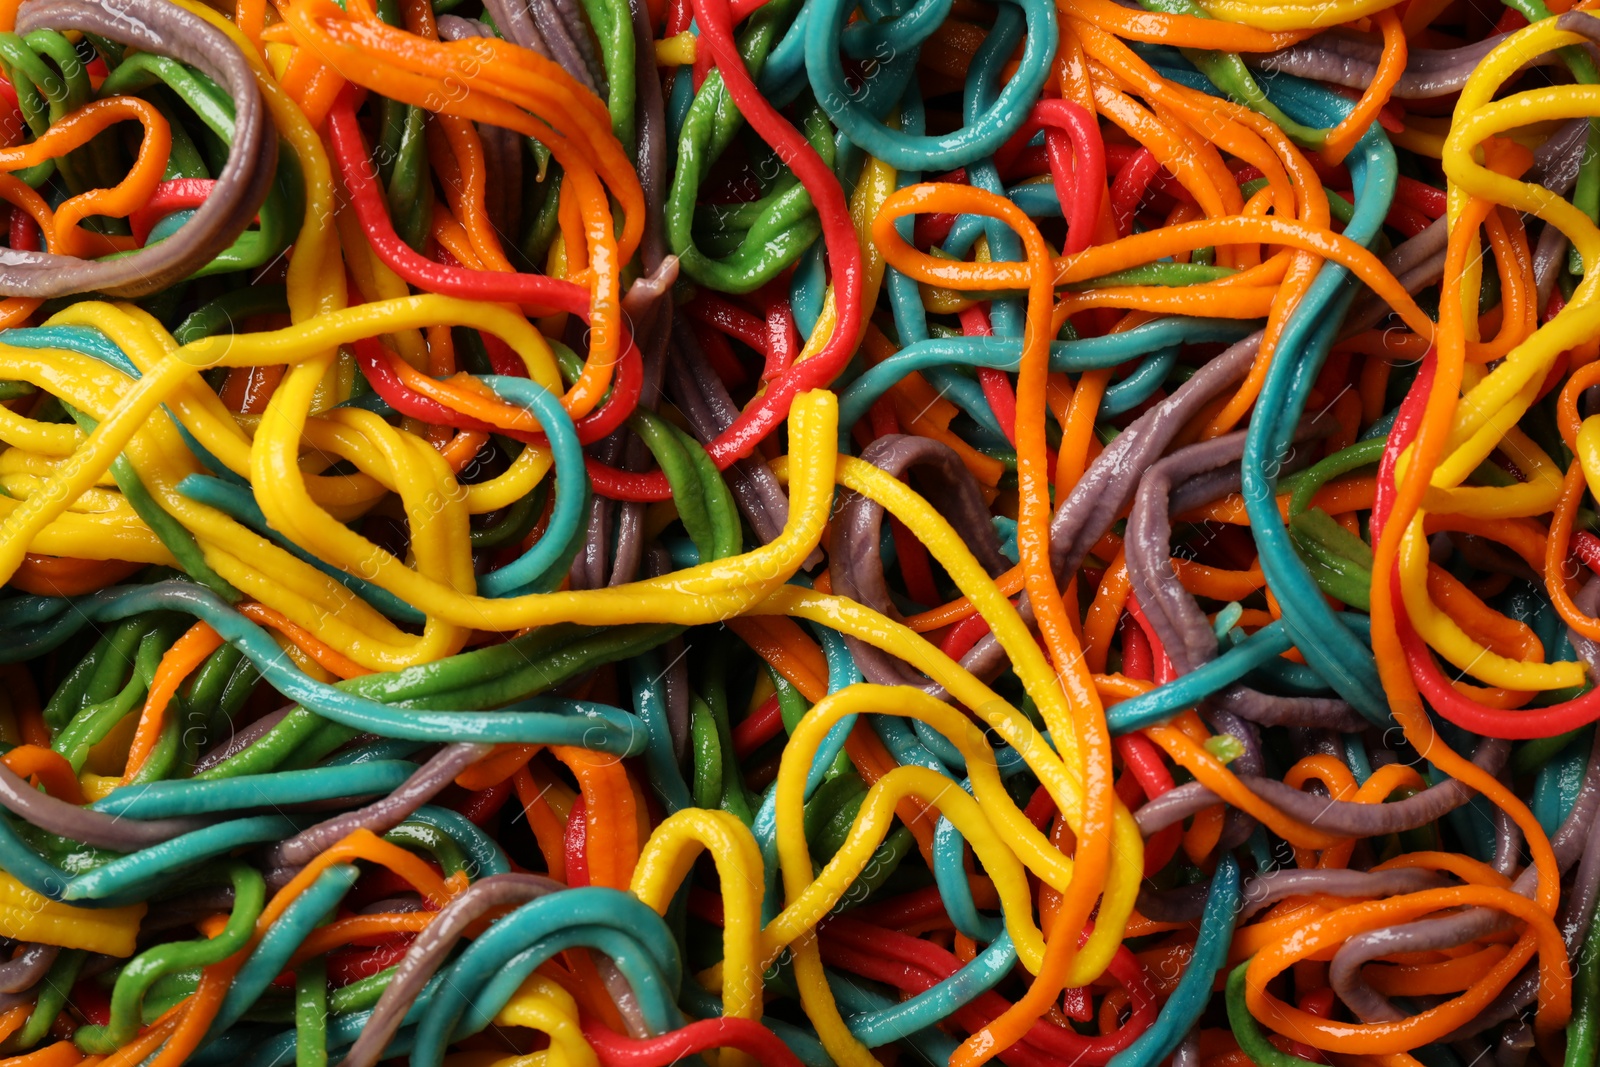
x=584, y=532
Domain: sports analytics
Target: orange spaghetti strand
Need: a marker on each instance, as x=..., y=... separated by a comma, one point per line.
x=1180, y=31
x=75, y=131
x=612, y=833
x=12, y=1020
x=1104, y=611
x=60, y=1054
x=65, y=576
x=1208, y=769
x=181, y=660
x=360, y=928
x=789, y=650
x=48, y=768
x=505, y=761
x=1556, y=566
x=1009, y=583
x=1391, y=64
x=327, y=657
x=548, y=823
x=1426, y=1026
